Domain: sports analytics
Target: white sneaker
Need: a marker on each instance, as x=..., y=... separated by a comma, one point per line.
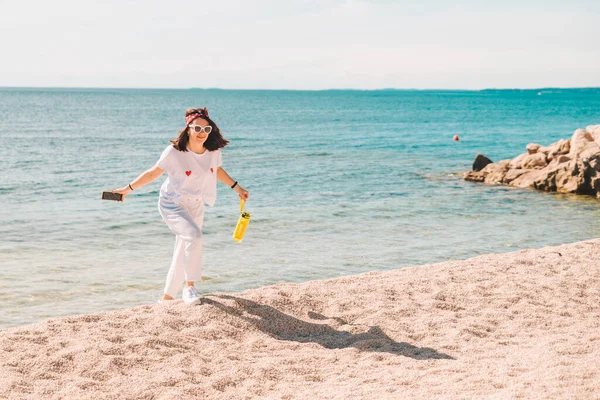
x=190, y=295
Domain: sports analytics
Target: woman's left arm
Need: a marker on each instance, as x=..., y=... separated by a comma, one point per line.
x=226, y=179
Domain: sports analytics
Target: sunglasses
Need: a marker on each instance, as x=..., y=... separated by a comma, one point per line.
x=199, y=128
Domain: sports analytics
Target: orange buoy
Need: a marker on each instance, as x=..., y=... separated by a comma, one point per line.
x=456, y=138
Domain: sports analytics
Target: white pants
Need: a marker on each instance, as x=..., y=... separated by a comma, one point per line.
x=184, y=217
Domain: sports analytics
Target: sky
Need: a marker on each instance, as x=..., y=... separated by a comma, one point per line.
x=304, y=45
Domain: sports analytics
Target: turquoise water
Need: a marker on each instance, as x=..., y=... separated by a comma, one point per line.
x=341, y=182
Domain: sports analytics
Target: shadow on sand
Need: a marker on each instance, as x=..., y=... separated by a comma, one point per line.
x=285, y=327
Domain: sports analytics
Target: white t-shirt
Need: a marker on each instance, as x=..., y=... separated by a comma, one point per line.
x=190, y=174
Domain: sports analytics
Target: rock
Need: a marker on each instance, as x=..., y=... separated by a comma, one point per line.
x=594, y=130
x=491, y=173
x=533, y=148
x=569, y=166
x=588, y=153
x=480, y=162
x=534, y=161
x=559, y=148
x=594, y=162
x=559, y=160
x=564, y=146
x=594, y=179
x=517, y=162
x=530, y=179
x=579, y=141
x=474, y=176
x=570, y=179
x=513, y=174
x=496, y=172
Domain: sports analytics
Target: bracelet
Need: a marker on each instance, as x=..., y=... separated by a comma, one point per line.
x=129, y=184
x=234, y=185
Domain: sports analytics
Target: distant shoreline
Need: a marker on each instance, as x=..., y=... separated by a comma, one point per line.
x=100, y=88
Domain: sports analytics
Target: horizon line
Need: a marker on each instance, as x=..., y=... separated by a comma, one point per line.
x=294, y=90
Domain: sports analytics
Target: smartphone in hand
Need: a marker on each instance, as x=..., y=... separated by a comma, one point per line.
x=112, y=196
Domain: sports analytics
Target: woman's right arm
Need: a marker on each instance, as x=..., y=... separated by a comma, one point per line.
x=145, y=178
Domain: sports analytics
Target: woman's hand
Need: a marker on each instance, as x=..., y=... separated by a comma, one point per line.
x=243, y=193
x=124, y=191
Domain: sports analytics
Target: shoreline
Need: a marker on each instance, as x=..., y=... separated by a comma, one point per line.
x=513, y=325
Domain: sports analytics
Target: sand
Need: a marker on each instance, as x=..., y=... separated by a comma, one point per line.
x=524, y=325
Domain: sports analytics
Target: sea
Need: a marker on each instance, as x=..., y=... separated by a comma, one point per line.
x=341, y=182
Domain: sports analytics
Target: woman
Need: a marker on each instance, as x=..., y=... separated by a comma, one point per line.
x=193, y=163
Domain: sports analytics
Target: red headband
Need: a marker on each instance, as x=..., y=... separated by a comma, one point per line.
x=196, y=114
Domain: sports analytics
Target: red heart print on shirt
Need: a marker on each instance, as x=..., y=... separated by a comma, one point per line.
x=212, y=170
x=188, y=173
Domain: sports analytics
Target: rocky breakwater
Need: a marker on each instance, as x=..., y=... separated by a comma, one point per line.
x=567, y=166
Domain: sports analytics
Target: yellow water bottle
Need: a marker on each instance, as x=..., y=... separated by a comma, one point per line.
x=242, y=225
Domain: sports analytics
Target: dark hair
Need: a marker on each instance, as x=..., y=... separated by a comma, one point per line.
x=213, y=142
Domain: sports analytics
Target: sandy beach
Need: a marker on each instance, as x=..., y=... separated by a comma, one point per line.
x=523, y=325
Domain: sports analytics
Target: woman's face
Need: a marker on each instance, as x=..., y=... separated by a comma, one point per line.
x=198, y=137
